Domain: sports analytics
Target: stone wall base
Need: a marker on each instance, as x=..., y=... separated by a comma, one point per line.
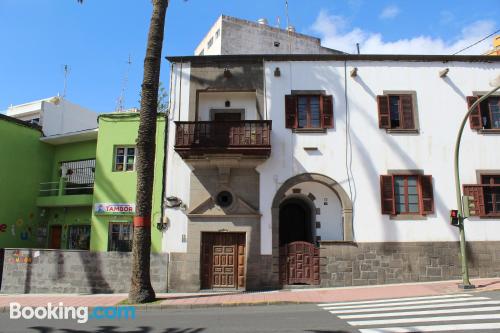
x=66, y=271
x=354, y=264
x=184, y=273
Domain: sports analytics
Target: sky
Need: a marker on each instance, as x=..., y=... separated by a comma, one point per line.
x=39, y=37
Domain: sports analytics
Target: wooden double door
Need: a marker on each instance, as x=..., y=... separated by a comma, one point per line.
x=299, y=263
x=222, y=260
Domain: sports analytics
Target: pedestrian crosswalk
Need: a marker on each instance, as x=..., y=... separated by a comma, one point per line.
x=455, y=312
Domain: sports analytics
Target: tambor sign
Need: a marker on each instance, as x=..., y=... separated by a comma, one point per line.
x=114, y=209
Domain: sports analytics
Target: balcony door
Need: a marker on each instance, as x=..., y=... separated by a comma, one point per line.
x=223, y=124
x=227, y=115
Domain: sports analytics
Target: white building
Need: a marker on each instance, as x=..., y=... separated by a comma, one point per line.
x=351, y=184
x=231, y=35
x=55, y=115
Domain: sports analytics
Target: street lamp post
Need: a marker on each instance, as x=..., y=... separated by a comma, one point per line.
x=465, y=270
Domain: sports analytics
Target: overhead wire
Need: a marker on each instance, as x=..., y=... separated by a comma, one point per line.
x=479, y=41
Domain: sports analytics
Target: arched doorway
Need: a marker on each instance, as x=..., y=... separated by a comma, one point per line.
x=296, y=221
x=305, y=249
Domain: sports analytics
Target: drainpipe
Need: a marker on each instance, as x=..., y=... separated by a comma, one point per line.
x=165, y=159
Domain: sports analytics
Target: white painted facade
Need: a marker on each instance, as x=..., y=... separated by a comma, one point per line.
x=370, y=151
x=56, y=115
x=231, y=35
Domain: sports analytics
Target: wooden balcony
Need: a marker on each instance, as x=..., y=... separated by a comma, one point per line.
x=200, y=138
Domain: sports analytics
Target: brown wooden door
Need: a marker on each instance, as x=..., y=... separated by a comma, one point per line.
x=299, y=263
x=223, y=260
x=227, y=116
x=55, y=237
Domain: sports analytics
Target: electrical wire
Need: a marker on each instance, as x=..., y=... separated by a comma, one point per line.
x=479, y=41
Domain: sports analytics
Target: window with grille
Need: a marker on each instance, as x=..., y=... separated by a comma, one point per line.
x=79, y=237
x=124, y=159
x=406, y=195
x=120, y=237
x=396, y=112
x=79, y=176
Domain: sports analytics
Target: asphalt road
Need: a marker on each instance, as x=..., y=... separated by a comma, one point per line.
x=289, y=318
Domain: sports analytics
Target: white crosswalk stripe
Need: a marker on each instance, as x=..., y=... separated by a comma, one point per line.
x=455, y=312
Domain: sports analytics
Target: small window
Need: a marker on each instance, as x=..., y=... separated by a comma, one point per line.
x=124, y=159
x=202, y=52
x=217, y=33
x=120, y=237
x=407, y=195
x=224, y=199
x=210, y=42
x=309, y=111
x=79, y=237
x=486, y=115
x=396, y=112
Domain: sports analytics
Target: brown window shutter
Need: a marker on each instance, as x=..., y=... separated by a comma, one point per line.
x=387, y=195
x=327, y=111
x=426, y=195
x=475, y=116
x=290, y=111
x=476, y=192
x=407, y=111
x=384, y=117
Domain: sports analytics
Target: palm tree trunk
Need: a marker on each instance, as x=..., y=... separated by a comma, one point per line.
x=140, y=289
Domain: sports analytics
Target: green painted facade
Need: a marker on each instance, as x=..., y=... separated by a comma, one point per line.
x=120, y=130
x=24, y=162
x=61, y=209
x=28, y=216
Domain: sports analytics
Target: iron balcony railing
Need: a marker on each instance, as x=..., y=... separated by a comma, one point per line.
x=224, y=136
x=77, y=177
x=65, y=187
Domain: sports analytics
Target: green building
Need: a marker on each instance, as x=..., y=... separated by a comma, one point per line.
x=74, y=190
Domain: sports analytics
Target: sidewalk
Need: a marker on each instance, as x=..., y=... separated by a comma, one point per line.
x=192, y=300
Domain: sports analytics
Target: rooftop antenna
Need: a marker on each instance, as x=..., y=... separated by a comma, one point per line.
x=288, y=27
x=119, y=103
x=278, y=22
x=66, y=69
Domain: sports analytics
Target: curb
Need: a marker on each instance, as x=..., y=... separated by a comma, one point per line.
x=164, y=307
x=156, y=307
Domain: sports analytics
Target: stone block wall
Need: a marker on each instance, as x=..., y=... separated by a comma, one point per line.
x=351, y=264
x=67, y=271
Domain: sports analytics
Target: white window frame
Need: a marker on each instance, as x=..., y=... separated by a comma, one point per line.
x=125, y=158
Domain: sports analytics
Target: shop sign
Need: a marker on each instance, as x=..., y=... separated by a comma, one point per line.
x=114, y=209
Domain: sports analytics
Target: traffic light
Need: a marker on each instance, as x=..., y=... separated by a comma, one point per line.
x=454, y=221
x=469, y=206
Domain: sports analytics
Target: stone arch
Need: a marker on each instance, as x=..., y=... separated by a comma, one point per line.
x=345, y=201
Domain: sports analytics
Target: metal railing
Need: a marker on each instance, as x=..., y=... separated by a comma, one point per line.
x=65, y=187
x=223, y=134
